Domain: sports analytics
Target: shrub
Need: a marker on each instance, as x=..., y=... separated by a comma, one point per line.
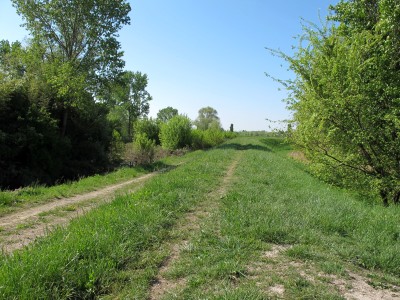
x=117, y=147
x=144, y=149
x=198, y=141
x=149, y=127
x=213, y=137
x=176, y=133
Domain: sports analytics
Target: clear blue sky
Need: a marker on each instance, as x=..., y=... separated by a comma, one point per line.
x=208, y=53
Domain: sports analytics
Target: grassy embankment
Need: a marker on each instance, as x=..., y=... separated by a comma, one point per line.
x=325, y=233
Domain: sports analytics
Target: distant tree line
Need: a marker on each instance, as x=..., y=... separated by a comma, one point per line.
x=345, y=96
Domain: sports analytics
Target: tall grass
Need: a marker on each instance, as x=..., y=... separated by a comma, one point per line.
x=82, y=260
x=281, y=203
x=37, y=194
x=273, y=200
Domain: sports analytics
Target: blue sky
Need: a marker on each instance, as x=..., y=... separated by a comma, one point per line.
x=208, y=53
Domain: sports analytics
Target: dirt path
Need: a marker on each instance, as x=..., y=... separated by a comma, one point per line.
x=191, y=223
x=21, y=228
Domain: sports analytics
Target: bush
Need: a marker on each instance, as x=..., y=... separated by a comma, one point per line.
x=144, y=149
x=213, y=137
x=176, y=133
x=149, y=127
x=117, y=147
x=203, y=139
x=198, y=141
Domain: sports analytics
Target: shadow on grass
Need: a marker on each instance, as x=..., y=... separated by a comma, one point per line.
x=158, y=166
x=278, y=144
x=241, y=147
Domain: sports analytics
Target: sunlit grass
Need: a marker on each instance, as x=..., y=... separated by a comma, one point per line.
x=84, y=259
x=9, y=200
x=323, y=232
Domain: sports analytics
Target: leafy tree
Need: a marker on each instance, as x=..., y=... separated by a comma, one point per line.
x=176, y=133
x=136, y=98
x=345, y=96
x=79, y=42
x=207, y=116
x=165, y=114
x=129, y=99
x=29, y=140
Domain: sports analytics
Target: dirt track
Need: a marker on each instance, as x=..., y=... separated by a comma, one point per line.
x=21, y=228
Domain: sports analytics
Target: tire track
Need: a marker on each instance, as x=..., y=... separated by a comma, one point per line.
x=161, y=285
x=21, y=228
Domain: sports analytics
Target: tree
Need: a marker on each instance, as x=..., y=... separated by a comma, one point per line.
x=207, y=117
x=135, y=97
x=345, y=96
x=165, y=114
x=79, y=42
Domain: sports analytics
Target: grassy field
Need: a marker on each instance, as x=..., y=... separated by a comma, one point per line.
x=272, y=232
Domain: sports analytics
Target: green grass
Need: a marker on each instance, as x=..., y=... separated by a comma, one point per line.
x=83, y=260
x=116, y=250
x=275, y=201
x=10, y=200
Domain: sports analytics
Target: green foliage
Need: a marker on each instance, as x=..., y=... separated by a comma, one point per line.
x=148, y=126
x=51, y=127
x=144, y=149
x=176, y=133
x=214, y=136
x=117, y=147
x=129, y=99
x=208, y=118
x=81, y=33
x=30, y=147
x=165, y=114
x=85, y=259
x=345, y=97
x=203, y=139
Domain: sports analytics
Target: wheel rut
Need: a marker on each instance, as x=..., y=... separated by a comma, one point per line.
x=191, y=223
